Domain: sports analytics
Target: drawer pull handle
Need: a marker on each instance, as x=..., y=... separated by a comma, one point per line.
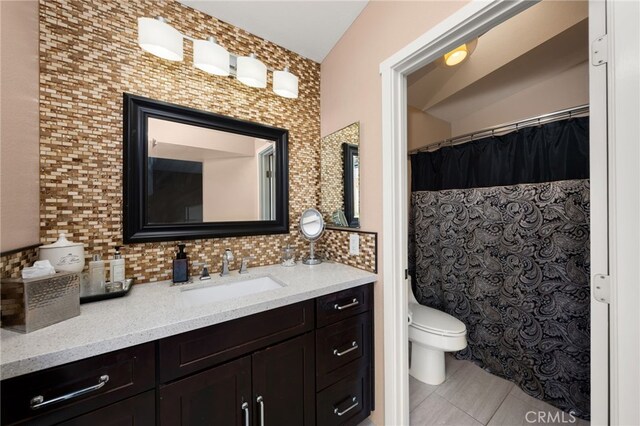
x=245, y=408
x=260, y=400
x=353, y=303
x=353, y=347
x=339, y=413
x=39, y=402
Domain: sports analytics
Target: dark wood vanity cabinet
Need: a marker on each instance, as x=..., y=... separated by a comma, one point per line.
x=302, y=364
x=344, y=357
x=61, y=393
x=273, y=386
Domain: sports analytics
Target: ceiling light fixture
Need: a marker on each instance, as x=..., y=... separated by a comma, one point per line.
x=456, y=56
x=460, y=53
x=161, y=39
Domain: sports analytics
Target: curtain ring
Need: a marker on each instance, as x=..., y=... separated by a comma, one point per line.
x=538, y=121
x=517, y=127
x=493, y=133
x=570, y=113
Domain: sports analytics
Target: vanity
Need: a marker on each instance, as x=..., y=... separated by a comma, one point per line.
x=299, y=354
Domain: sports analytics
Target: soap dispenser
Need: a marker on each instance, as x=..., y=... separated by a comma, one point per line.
x=97, y=275
x=181, y=266
x=116, y=266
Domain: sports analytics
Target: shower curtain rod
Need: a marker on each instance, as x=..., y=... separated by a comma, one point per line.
x=507, y=127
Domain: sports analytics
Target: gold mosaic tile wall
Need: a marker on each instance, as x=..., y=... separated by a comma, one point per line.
x=334, y=245
x=12, y=264
x=332, y=169
x=89, y=56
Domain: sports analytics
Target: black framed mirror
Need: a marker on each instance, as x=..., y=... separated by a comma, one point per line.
x=192, y=174
x=351, y=162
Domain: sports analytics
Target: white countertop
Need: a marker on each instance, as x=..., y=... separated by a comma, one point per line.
x=156, y=310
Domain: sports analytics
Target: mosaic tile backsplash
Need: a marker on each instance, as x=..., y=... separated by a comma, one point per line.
x=12, y=264
x=334, y=245
x=88, y=58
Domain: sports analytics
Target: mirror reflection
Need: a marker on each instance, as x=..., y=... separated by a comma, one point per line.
x=197, y=174
x=340, y=177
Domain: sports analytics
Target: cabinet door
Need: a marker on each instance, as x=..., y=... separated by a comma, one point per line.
x=139, y=411
x=214, y=397
x=283, y=383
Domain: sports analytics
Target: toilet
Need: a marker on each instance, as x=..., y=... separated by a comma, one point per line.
x=432, y=333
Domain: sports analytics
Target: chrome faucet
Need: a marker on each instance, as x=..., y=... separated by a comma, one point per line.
x=226, y=258
x=245, y=263
x=205, y=270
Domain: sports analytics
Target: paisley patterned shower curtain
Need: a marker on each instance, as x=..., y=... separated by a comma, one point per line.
x=511, y=261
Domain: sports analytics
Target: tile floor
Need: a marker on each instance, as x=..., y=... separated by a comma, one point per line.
x=471, y=396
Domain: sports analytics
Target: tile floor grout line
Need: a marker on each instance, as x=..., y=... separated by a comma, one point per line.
x=499, y=405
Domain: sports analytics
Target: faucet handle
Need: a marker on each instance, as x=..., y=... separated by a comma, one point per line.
x=245, y=264
x=205, y=270
x=228, y=254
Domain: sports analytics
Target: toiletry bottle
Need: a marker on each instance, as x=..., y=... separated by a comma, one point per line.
x=97, y=274
x=181, y=266
x=116, y=266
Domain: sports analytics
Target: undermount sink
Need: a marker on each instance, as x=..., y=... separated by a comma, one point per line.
x=229, y=290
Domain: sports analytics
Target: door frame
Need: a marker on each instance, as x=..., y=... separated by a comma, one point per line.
x=471, y=21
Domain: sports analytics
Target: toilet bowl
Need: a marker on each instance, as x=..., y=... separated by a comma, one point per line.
x=432, y=333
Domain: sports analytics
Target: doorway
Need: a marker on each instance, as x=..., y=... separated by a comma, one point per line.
x=470, y=22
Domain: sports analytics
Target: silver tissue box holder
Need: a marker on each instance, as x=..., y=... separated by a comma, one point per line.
x=31, y=304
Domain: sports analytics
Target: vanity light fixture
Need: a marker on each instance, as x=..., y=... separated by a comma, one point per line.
x=210, y=57
x=251, y=71
x=285, y=84
x=161, y=39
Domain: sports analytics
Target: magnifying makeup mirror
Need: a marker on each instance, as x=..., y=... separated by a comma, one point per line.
x=311, y=228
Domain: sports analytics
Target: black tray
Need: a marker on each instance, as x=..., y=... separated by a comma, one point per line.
x=126, y=288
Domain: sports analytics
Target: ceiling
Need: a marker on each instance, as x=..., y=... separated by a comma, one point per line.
x=308, y=28
x=542, y=42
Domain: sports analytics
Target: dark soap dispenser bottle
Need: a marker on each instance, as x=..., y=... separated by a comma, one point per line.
x=181, y=266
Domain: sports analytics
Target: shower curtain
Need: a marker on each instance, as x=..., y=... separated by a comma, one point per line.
x=500, y=240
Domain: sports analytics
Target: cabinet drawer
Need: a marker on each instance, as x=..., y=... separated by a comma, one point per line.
x=346, y=402
x=138, y=410
x=338, y=306
x=79, y=387
x=196, y=350
x=342, y=348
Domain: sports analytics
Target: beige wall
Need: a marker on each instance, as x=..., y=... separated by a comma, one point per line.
x=351, y=91
x=230, y=189
x=424, y=129
x=564, y=90
x=19, y=205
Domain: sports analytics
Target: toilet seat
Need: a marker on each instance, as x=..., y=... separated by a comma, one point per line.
x=436, y=322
